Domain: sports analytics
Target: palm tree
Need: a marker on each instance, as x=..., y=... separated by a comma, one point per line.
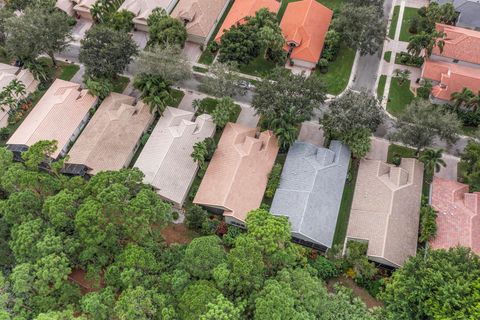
x=425, y=42
x=474, y=102
x=155, y=91
x=200, y=152
x=432, y=159
x=461, y=98
x=402, y=75
x=11, y=96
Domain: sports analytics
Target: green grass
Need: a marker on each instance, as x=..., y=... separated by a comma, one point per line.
x=120, y=83
x=393, y=24
x=403, y=152
x=177, y=96
x=408, y=15
x=345, y=206
x=259, y=66
x=469, y=131
x=387, y=56
x=381, y=86
x=399, y=97
x=200, y=69
x=68, y=71
x=331, y=4
x=207, y=57
x=336, y=79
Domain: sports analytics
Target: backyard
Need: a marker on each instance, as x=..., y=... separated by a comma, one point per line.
x=336, y=79
x=399, y=97
x=408, y=15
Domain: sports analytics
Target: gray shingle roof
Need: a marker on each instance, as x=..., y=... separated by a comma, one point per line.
x=311, y=189
x=469, y=12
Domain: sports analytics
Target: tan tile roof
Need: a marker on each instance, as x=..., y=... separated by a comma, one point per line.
x=110, y=138
x=56, y=116
x=83, y=5
x=237, y=175
x=458, y=215
x=245, y=8
x=385, y=209
x=165, y=160
x=202, y=16
x=66, y=6
x=306, y=23
x=143, y=8
x=452, y=78
x=460, y=43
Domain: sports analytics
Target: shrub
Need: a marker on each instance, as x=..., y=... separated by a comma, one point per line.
x=428, y=222
x=213, y=46
x=195, y=217
x=325, y=268
x=175, y=215
x=4, y=133
x=414, y=25
x=232, y=233
x=273, y=180
x=424, y=91
x=323, y=65
x=332, y=45
x=99, y=87
x=408, y=59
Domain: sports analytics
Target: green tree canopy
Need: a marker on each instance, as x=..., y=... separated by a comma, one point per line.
x=164, y=30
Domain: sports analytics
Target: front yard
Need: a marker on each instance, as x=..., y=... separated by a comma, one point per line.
x=393, y=24
x=399, y=97
x=408, y=15
x=381, y=86
x=336, y=79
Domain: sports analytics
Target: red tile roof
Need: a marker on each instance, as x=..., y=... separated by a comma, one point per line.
x=460, y=43
x=452, y=78
x=458, y=218
x=245, y=8
x=306, y=23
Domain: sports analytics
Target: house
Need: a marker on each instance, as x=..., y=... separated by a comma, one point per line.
x=143, y=8
x=166, y=158
x=468, y=12
x=455, y=67
x=82, y=8
x=9, y=73
x=237, y=175
x=305, y=25
x=66, y=6
x=310, y=192
x=111, y=137
x=241, y=9
x=385, y=210
x=458, y=215
x=59, y=115
x=200, y=17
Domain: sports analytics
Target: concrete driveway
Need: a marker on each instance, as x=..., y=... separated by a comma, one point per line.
x=310, y=132
x=140, y=38
x=449, y=172
x=192, y=51
x=79, y=30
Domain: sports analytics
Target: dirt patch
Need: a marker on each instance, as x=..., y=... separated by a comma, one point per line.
x=357, y=291
x=78, y=276
x=178, y=233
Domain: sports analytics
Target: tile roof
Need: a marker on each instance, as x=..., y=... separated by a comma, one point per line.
x=452, y=78
x=110, y=138
x=242, y=9
x=305, y=24
x=458, y=215
x=469, y=11
x=56, y=116
x=143, y=8
x=237, y=175
x=385, y=209
x=201, y=16
x=66, y=6
x=311, y=189
x=165, y=160
x=460, y=44
x=83, y=5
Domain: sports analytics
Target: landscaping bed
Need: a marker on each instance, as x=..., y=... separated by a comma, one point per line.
x=399, y=97
x=387, y=56
x=178, y=233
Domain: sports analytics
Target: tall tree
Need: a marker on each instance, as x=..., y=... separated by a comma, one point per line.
x=469, y=166
x=462, y=98
x=155, y=91
x=423, y=122
x=433, y=161
x=165, y=30
x=284, y=100
x=106, y=52
x=202, y=256
x=222, y=81
x=362, y=28
x=425, y=42
x=423, y=287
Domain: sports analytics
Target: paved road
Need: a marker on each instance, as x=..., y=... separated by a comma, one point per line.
x=367, y=66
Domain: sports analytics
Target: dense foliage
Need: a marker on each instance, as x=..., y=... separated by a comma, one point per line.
x=469, y=166
x=164, y=30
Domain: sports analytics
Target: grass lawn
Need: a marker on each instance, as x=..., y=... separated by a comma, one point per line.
x=259, y=66
x=200, y=69
x=68, y=71
x=408, y=15
x=177, y=96
x=387, y=56
x=120, y=83
x=381, y=86
x=399, y=97
x=207, y=57
x=331, y=4
x=393, y=24
x=345, y=206
x=336, y=79
x=469, y=131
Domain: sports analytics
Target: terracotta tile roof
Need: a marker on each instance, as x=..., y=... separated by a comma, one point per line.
x=56, y=116
x=385, y=209
x=143, y=8
x=452, y=78
x=460, y=43
x=305, y=23
x=201, y=16
x=110, y=138
x=165, y=160
x=237, y=175
x=458, y=215
x=245, y=8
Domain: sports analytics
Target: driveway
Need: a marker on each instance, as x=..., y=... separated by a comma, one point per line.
x=140, y=38
x=192, y=51
x=450, y=171
x=310, y=132
x=188, y=98
x=247, y=117
x=79, y=30
x=378, y=149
